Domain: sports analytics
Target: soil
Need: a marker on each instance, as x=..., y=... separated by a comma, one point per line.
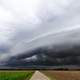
x=63, y=75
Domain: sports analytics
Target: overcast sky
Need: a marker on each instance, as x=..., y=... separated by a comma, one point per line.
x=28, y=24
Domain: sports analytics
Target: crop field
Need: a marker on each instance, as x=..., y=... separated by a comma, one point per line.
x=52, y=74
x=63, y=75
x=15, y=75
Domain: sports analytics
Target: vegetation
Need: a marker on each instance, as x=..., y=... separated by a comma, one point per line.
x=15, y=75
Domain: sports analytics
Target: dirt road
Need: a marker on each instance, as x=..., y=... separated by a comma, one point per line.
x=39, y=76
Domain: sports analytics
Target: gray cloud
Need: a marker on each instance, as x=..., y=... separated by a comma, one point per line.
x=28, y=25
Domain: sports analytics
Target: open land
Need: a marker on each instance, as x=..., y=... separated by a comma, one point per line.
x=27, y=74
x=63, y=75
x=15, y=75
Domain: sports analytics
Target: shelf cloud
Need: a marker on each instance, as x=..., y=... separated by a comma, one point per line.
x=29, y=27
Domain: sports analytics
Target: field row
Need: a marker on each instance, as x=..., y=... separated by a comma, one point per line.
x=15, y=75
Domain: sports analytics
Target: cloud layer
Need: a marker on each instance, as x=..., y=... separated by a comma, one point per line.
x=28, y=25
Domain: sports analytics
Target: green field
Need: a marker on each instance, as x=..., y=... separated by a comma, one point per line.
x=15, y=75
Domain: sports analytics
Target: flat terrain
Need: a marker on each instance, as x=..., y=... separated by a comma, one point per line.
x=39, y=76
x=63, y=75
x=27, y=74
x=15, y=75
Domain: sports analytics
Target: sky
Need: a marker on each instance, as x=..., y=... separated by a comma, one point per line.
x=29, y=24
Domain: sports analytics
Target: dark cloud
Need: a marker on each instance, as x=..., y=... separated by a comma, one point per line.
x=39, y=32
x=47, y=56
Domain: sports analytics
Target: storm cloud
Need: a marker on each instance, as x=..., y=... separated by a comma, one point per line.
x=40, y=32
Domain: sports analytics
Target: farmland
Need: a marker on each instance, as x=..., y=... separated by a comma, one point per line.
x=15, y=75
x=63, y=75
x=52, y=74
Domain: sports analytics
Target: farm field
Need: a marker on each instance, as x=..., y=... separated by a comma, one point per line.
x=15, y=75
x=63, y=75
x=52, y=74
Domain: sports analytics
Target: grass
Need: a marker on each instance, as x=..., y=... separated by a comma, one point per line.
x=15, y=75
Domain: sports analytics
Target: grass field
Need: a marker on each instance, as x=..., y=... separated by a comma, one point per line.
x=15, y=75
